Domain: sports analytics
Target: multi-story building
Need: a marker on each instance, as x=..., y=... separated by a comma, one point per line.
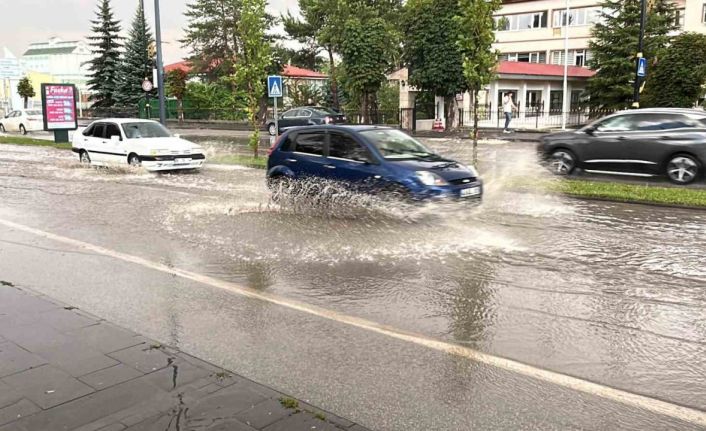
x=530, y=38
x=67, y=61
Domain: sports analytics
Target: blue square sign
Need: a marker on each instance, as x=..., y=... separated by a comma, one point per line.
x=274, y=86
x=641, y=67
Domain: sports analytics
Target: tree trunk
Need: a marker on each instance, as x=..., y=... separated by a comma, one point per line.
x=451, y=112
x=26, y=102
x=474, y=132
x=334, y=84
x=364, y=108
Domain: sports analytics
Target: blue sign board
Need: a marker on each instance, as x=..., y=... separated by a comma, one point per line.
x=274, y=86
x=641, y=67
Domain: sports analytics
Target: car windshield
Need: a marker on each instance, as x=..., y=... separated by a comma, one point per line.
x=394, y=144
x=34, y=112
x=145, y=130
x=325, y=111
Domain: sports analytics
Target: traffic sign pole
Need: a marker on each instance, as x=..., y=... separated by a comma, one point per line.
x=276, y=119
x=636, y=89
x=274, y=90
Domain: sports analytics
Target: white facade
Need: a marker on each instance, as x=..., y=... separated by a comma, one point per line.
x=67, y=61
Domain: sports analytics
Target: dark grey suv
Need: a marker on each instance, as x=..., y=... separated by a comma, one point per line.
x=641, y=142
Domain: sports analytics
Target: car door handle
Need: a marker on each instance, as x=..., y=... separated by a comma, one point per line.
x=329, y=167
x=290, y=160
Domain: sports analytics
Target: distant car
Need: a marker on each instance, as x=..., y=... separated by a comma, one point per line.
x=641, y=142
x=371, y=159
x=23, y=121
x=135, y=142
x=306, y=116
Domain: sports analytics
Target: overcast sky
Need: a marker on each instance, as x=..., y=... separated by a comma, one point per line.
x=25, y=21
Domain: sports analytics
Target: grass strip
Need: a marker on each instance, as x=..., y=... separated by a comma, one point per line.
x=622, y=192
x=22, y=140
x=237, y=159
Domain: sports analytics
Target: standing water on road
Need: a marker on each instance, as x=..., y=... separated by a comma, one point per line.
x=609, y=292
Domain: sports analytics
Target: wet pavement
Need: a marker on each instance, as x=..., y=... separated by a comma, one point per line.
x=606, y=292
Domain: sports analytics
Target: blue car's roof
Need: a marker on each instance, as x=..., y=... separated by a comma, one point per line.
x=349, y=127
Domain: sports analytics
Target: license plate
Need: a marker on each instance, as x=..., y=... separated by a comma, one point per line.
x=182, y=161
x=471, y=191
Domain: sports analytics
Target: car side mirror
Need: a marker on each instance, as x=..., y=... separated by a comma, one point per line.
x=116, y=138
x=590, y=131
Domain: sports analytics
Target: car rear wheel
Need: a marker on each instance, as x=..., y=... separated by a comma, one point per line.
x=272, y=129
x=682, y=169
x=2, y=128
x=23, y=130
x=562, y=162
x=84, y=157
x=134, y=160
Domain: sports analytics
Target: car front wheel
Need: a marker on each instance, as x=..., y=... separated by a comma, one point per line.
x=562, y=162
x=23, y=130
x=134, y=160
x=2, y=128
x=85, y=158
x=272, y=129
x=682, y=169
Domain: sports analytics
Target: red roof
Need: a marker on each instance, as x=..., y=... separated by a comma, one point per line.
x=299, y=72
x=182, y=65
x=520, y=68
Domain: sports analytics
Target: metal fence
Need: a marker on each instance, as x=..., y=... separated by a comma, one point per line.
x=532, y=117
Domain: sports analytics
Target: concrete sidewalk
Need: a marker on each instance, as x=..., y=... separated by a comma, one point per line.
x=63, y=369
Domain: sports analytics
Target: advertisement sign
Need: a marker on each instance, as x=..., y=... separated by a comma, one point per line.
x=59, y=107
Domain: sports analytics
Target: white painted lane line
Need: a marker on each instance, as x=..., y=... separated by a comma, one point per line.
x=628, y=398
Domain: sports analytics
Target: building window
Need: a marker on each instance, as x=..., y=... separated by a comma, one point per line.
x=556, y=100
x=577, y=57
x=578, y=16
x=524, y=57
x=680, y=17
x=526, y=21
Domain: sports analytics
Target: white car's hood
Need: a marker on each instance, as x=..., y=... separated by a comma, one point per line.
x=170, y=144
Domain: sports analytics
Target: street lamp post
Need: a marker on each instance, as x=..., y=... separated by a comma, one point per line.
x=565, y=106
x=636, y=89
x=160, y=66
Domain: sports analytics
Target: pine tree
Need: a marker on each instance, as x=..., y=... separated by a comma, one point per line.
x=137, y=62
x=614, y=47
x=105, y=67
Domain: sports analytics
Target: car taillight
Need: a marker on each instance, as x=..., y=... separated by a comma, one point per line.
x=272, y=148
x=328, y=120
x=344, y=118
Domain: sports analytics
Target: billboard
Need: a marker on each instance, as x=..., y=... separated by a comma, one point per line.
x=59, y=107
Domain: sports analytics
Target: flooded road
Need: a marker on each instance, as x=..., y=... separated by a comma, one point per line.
x=607, y=292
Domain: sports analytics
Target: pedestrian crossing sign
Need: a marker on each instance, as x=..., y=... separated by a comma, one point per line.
x=642, y=67
x=274, y=86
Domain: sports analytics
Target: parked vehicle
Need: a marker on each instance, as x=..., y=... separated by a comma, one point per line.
x=371, y=159
x=128, y=141
x=23, y=121
x=641, y=142
x=305, y=116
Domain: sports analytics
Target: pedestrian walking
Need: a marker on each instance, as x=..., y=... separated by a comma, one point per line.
x=508, y=108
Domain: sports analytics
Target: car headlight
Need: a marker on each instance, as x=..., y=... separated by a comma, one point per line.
x=196, y=150
x=430, y=179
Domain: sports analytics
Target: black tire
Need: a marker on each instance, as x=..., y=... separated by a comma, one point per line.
x=682, y=169
x=134, y=160
x=2, y=128
x=23, y=130
x=562, y=161
x=272, y=129
x=396, y=193
x=84, y=158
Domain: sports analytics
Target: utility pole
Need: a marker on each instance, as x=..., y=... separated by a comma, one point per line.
x=160, y=66
x=636, y=90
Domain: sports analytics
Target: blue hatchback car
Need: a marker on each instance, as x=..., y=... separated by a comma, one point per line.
x=373, y=159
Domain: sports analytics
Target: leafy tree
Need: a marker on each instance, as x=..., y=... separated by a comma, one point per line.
x=253, y=60
x=105, y=66
x=212, y=36
x=301, y=94
x=137, y=63
x=25, y=89
x=475, y=41
x=176, y=87
x=614, y=47
x=679, y=78
x=306, y=57
x=431, y=51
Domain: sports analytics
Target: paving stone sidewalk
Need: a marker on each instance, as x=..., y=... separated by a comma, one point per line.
x=63, y=369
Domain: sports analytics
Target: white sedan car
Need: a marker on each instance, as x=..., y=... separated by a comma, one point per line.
x=135, y=142
x=23, y=121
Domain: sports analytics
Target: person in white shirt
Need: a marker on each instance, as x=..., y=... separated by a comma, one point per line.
x=508, y=107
